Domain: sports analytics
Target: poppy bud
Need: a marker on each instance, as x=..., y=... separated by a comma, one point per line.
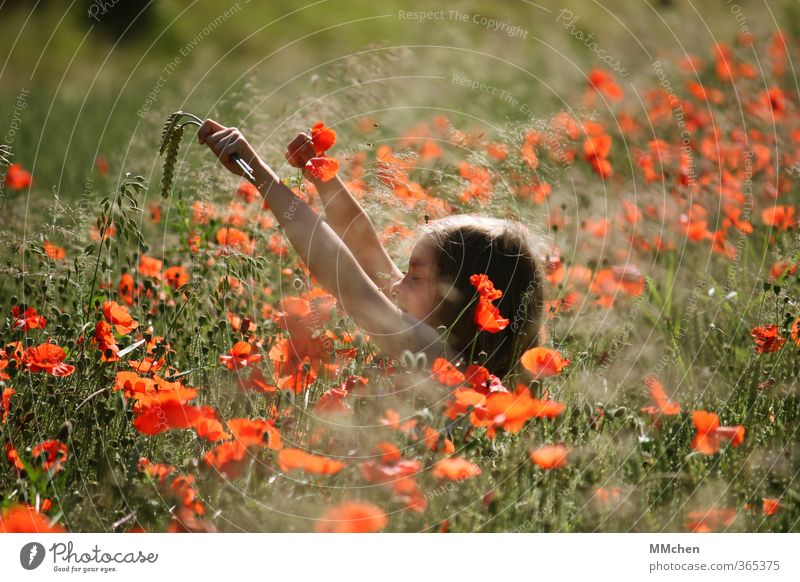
x=617, y=412
x=64, y=431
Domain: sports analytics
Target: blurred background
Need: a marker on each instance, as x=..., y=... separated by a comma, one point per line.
x=97, y=78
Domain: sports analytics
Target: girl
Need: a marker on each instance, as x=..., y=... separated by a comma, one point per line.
x=431, y=308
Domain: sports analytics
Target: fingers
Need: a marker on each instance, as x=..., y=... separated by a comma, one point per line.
x=300, y=150
x=218, y=137
x=298, y=141
x=225, y=143
x=232, y=146
x=219, y=140
x=209, y=126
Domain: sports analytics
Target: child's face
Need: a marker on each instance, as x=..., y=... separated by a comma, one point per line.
x=415, y=293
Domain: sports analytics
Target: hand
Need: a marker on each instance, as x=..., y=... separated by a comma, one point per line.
x=226, y=141
x=299, y=151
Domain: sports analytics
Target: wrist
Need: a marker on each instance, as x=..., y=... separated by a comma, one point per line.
x=264, y=175
x=332, y=185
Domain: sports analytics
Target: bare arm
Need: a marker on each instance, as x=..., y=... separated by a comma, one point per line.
x=326, y=255
x=348, y=219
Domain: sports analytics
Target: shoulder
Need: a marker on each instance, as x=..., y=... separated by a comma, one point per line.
x=416, y=339
x=444, y=350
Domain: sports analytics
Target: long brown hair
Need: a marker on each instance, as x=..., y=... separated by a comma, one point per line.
x=504, y=250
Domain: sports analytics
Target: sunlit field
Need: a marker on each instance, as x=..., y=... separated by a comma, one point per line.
x=170, y=364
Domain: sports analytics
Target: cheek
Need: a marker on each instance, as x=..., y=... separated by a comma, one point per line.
x=419, y=300
x=431, y=298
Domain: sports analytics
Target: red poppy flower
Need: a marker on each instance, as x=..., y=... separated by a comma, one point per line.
x=228, y=458
x=663, y=404
x=118, y=315
x=487, y=315
x=248, y=191
x=604, y=82
x=480, y=182
x=101, y=163
x=386, y=471
x=55, y=252
x=7, y=394
x=550, y=456
x=20, y=518
x=176, y=276
x=13, y=457
x=705, y=521
x=767, y=338
x=710, y=434
x=48, y=358
x=781, y=217
x=150, y=267
x=53, y=452
x=543, y=362
x=398, y=474
x=597, y=146
x=769, y=506
x=131, y=383
x=230, y=239
x=352, y=517
x=203, y=212
x=332, y=402
x=17, y=178
x=482, y=380
x=289, y=459
x=782, y=268
x=794, y=332
x=456, y=469
x=127, y=289
x=105, y=340
x=157, y=393
x=446, y=373
x=211, y=429
x=511, y=411
x=322, y=138
x=464, y=400
x=606, y=496
x=157, y=471
x=255, y=432
x=239, y=356
x=323, y=168
x=170, y=414
x=485, y=286
x=28, y=320
x=477, y=376
x=488, y=318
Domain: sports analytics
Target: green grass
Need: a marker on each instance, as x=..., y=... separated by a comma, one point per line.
x=696, y=341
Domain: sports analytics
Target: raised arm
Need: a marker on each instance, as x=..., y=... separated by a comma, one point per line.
x=326, y=256
x=348, y=219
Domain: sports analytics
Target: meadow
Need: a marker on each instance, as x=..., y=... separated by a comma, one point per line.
x=169, y=364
